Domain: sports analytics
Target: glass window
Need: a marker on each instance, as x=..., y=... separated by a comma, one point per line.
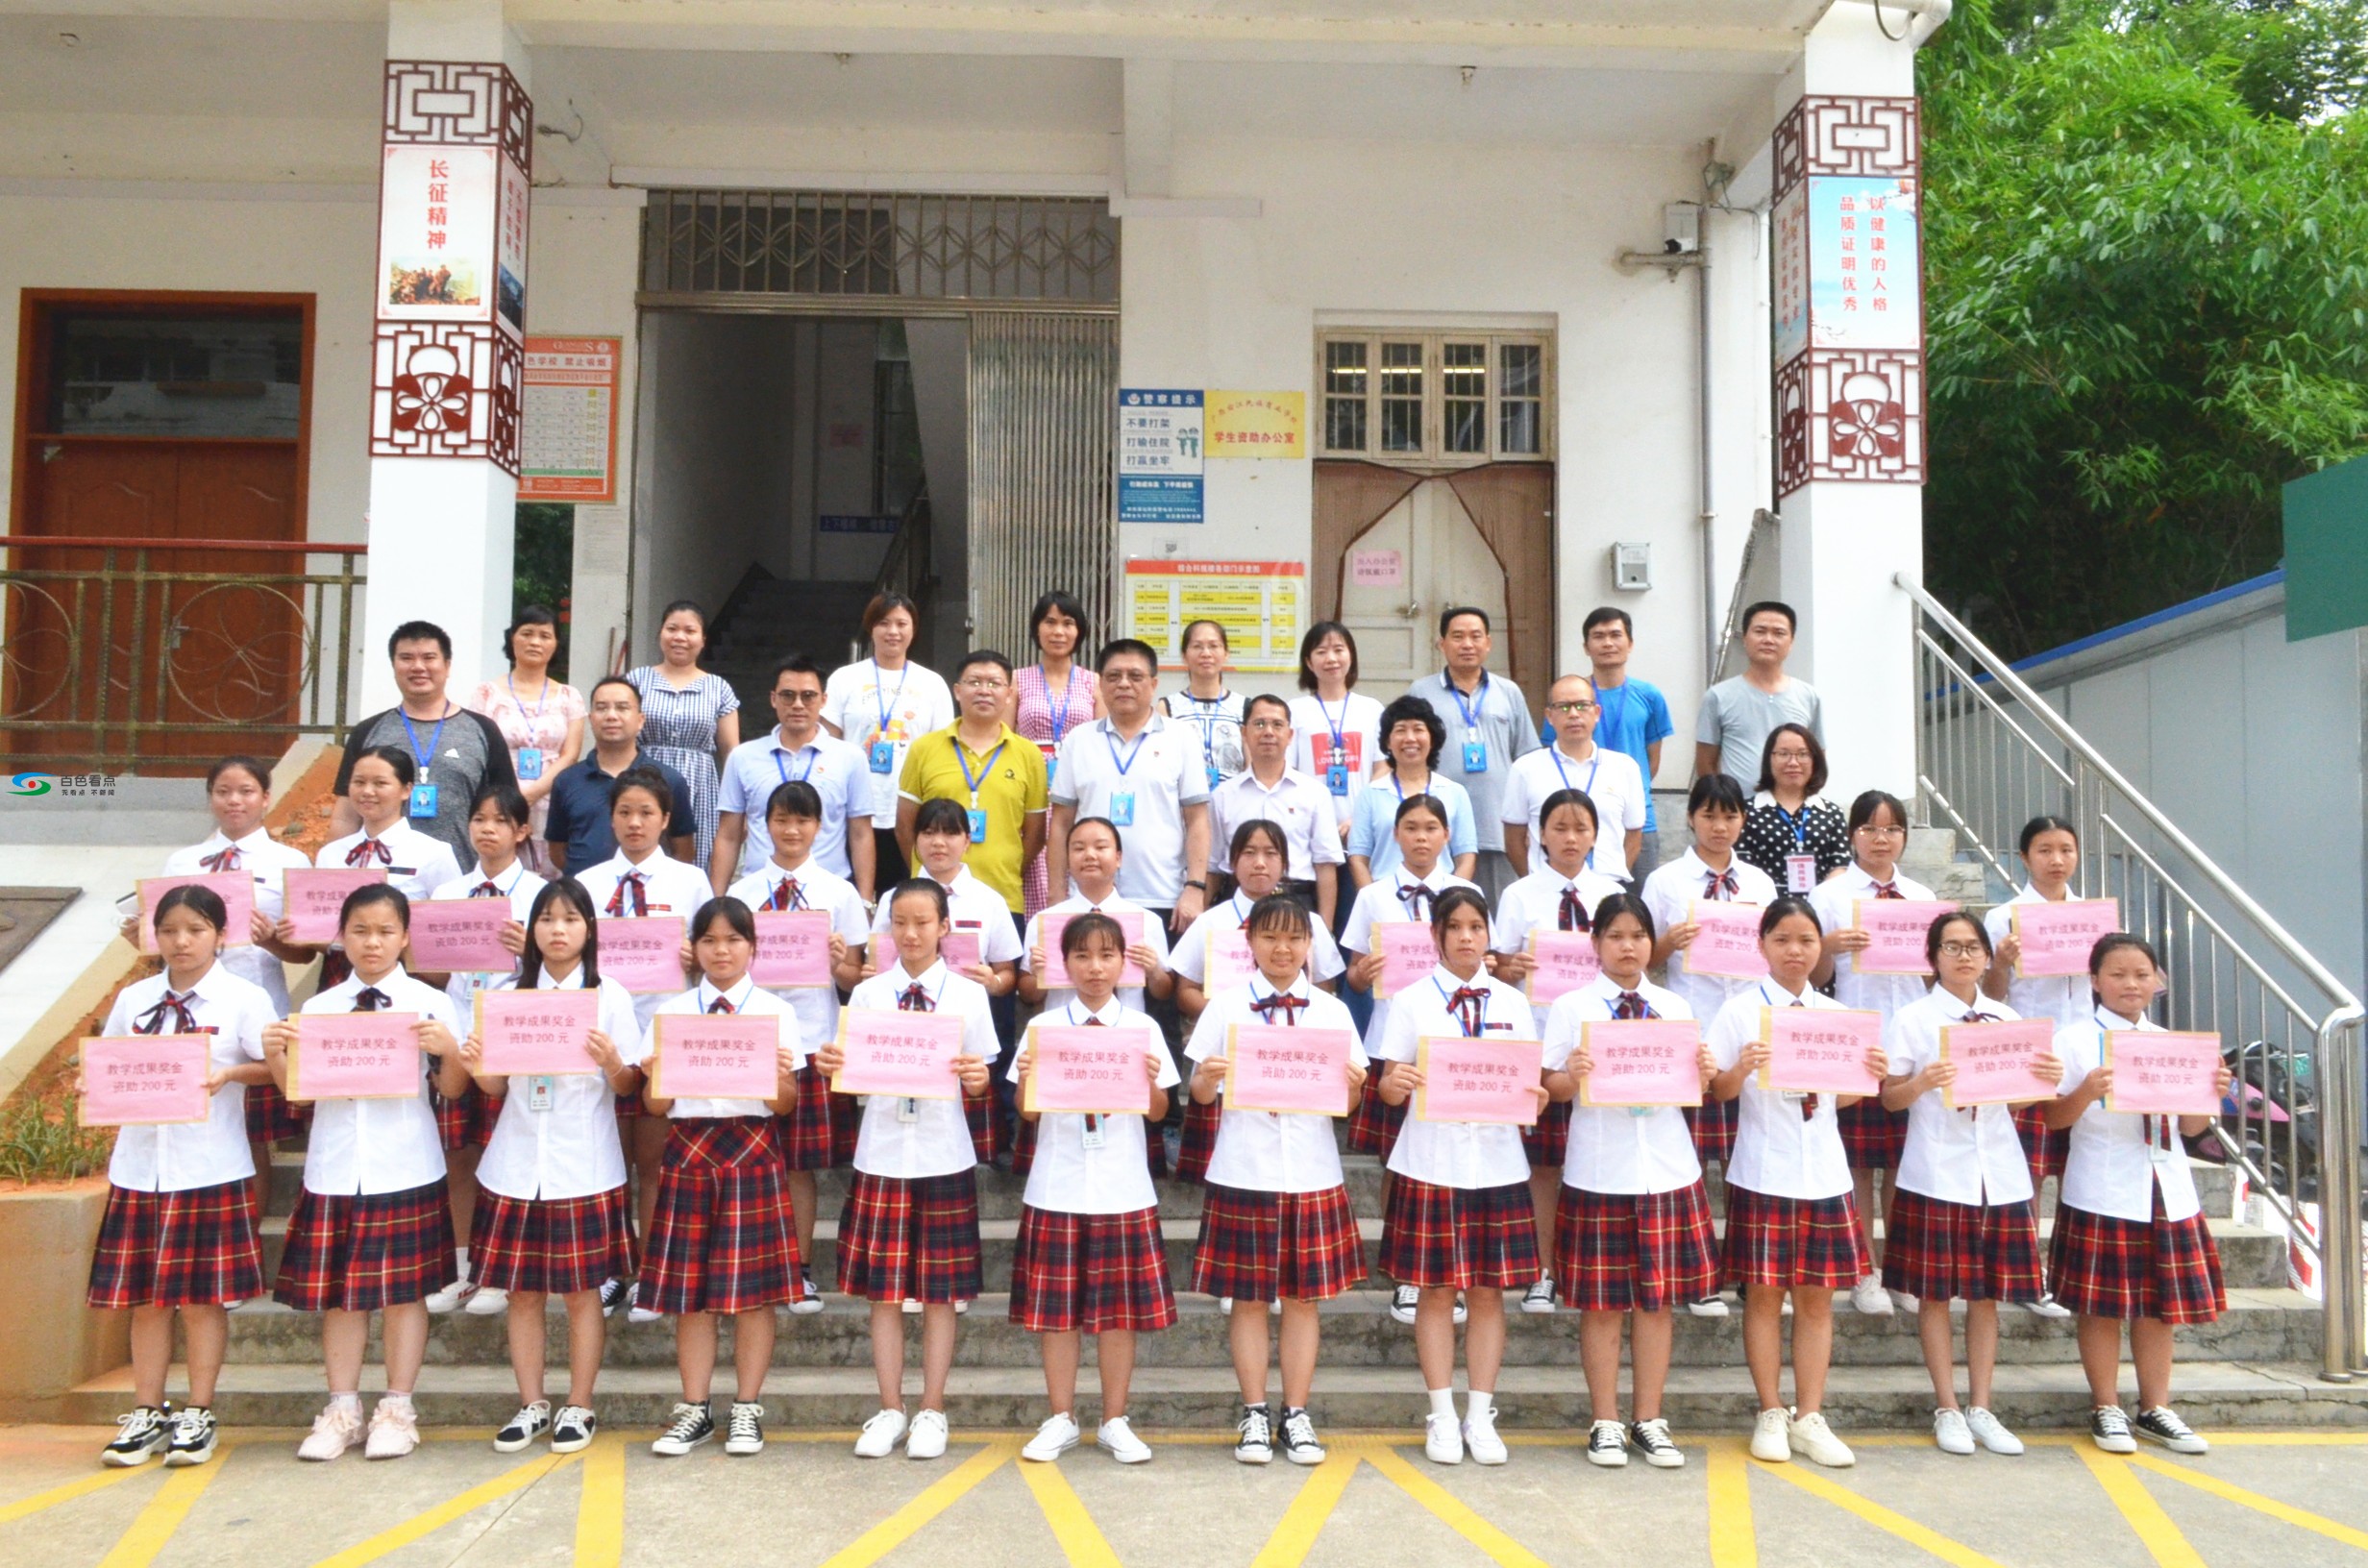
x=1464, y=388
x=1521, y=399
x=1401, y=397
x=176, y=376
x=1345, y=388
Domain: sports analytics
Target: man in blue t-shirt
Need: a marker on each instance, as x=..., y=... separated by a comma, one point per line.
x=1632, y=715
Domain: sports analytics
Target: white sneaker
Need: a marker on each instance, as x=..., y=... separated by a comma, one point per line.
x=1224, y=1305
x=809, y=1297
x=1769, y=1441
x=452, y=1297
x=1480, y=1438
x=483, y=1303
x=1116, y=1438
x=394, y=1429
x=912, y=1306
x=1951, y=1433
x=635, y=1311
x=1991, y=1432
x=878, y=1438
x=1540, y=1297
x=1402, y=1303
x=1055, y=1438
x=1906, y=1301
x=1462, y=1312
x=1869, y=1297
x=1442, y=1440
x=926, y=1440
x=962, y=1308
x=338, y=1429
x=1253, y=1440
x=1811, y=1436
x=1606, y=1445
x=1708, y=1306
x=2047, y=1306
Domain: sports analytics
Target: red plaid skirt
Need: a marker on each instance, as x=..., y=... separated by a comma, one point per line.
x=808, y=1136
x=1941, y=1250
x=719, y=1240
x=555, y=1246
x=1872, y=1137
x=2160, y=1268
x=1620, y=1252
x=1791, y=1241
x=361, y=1253
x=2042, y=1146
x=1713, y=1131
x=1200, y=1123
x=272, y=1117
x=1095, y=1272
x=1468, y=1237
x=192, y=1248
x=1373, y=1127
x=1549, y=1140
x=1277, y=1246
x=465, y=1122
x=910, y=1240
x=978, y=1110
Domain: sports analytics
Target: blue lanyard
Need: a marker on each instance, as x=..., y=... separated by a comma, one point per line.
x=880, y=693
x=1132, y=751
x=962, y=755
x=1799, y=825
x=1593, y=767
x=1471, y=714
x=811, y=755
x=425, y=759
x=1060, y=715
x=1398, y=785
x=1445, y=999
x=536, y=717
x=1338, y=726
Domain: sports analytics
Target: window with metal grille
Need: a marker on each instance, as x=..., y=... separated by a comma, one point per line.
x=1435, y=399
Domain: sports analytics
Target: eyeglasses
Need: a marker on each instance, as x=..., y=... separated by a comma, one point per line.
x=978, y=684
x=1878, y=830
x=1570, y=707
x=799, y=700
x=1961, y=949
x=1794, y=755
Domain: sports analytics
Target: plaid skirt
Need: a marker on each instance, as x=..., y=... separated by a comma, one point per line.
x=465, y=1122
x=1713, y=1131
x=2124, y=1268
x=1872, y=1137
x=272, y=1117
x=555, y=1246
x=361, y=1253
x=1549, y=1140
x=1790, y=1241
x=1643, y=1252
x=2042, y=1146
x=1939, y=1250
x=1090, y=1272
x=1373, y=1127
x=910, y=1240
x=808, y=1135
x=1277, y=1246
x=1200, y=1123
x=1469, y=1237
x=719, y=1240
x=978, y=1110
x=191, y=1248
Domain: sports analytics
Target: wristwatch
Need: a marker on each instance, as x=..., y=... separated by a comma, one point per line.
x=1195, y=882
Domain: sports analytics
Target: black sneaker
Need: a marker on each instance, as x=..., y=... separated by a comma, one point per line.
x=2161, y=1425
x=1651, y=1438
x=1300, y=1445
x=1607, y=1444
x=746, y=1431
x=530, y=1423
x=573, y=1429
x=140, y=1435
x=688, y=1427
x=193, y=1437
x=2110, y=1430
x=1255, y=1437
x=612, y=1296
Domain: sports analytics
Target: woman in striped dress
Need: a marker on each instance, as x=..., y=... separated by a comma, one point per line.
x=1055, y=696
x=690, y=716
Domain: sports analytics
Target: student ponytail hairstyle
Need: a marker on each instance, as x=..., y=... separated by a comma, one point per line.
x=1570, y=797
x=2044, y=823
x=1862, y=810
x=2120, y=942
x=573, y=894
x=372, y=895
x=732, y=912
x=1716, y=791
x=1783, y=907
x=1942, y=923
x=199, y=900
x=651, y=782
x=941, y=815
x=1084, y=928
x=795, y=799
x=406, y=769
x=1421, y=802
x=1280, y=912
x=1617, y=905
x=1447, y=903
x=238, y=762
x=1104, y=822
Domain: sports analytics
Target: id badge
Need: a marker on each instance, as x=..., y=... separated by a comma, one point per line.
x=1800, y=873
x=1217, y=776
x=1336, y=778
x=883, y=756
x=908, y=1111
x=422, y=802
x=1097, y=1134
x=1475, y=755
x=1122, y=808
x=530, y=762
x=539, y=1090
x=979, y=825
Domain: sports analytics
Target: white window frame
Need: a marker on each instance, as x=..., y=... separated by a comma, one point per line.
x=1433, y=455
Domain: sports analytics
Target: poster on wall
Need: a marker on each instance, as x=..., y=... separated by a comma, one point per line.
x=1789, y=251
x=1160, y=456
x=570, y=434
x=1257, y=425
x=436, y=219
x=1262, y=605
x=1865, y=289
x=509, y=261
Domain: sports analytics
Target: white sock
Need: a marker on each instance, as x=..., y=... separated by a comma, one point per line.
x=1443, y=1403
x=1479, y=1407
x=345, y=1402
x=399, y=1402
x=461, y=1257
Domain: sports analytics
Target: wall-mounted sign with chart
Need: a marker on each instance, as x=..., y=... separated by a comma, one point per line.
x=570, y=428
x=1262, y=605
x=1160, y=457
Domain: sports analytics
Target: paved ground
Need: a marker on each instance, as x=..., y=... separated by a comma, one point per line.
x=2273, y=1498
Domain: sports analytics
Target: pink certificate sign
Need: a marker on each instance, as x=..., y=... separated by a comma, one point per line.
x=2163, y=1072
x=716, y=1056
x=1993, y=1062
x=145, y=1080
x=1566, y=962
x=461, y=935
x=1819, y=1051
x=356, y=1056
x=1295, y=1071
x=793, y=947
x=537, y=1032
x=1098, y=1072
x=236, y=889
x=1227, y=961
x=959, y=949
x=2057, y=937
x=1479, y=1080
x=1895, y=929
x=642, y=952
x=316, y=894
x=1057, y=974
x=1726, y=940
x=909, y=1055
x=1642, y=1062
x=1407, y=955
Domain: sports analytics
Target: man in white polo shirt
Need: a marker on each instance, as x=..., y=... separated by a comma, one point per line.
x=794, y=751
x=1146, y=773
x=1269, y=787
x=1611, y=778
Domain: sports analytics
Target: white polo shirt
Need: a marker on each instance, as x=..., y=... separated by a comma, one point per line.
x=745, y=998
x=209, y=1153
x=1347, y=731
x=374, y=1146
x=1619, y=1148
x=1671, y=892
x=671, y=887
x=569, y=1149
x=1113, y=1174
x=1268, y=1151
x=1381, y=902
x=1155, y=937
x=1142, y=785
x=866, y=703
x=1611, y=779
x=520, y=887
x=817, y=1006
x=2063, y=997
x=1972, y=1157
x=1459, y=1154
x=971, y=905
x=2111, y=1168
x=1835, y=901
x=836, y=770
x=1535, y=903
x=263, y=858
x=412, y=861
x=1777, y=1154
x=1295, y=802
x=936, y=1141
x=1190, y=956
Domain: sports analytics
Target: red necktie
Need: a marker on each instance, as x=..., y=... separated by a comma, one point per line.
x=1572, y=913
x=371, y=999
x=1265, y=1007
x=640, y=884
x=1631, y=1006
x=225, y=861
x=787, y=895
x=722, y=1004
x=485, y=890
x=1470, y=1006
x=368, y=850
x=1889, y=890
x=913, y=999
x=1720, y=885
x=152, y=1021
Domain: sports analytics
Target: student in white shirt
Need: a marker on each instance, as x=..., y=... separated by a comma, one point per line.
x=813, y=1134
x=1791, y=1228
x=1277, y=1225
x=557, y=1217
x=722, y=1242
x=1332, y=724
x=1215, y=713
x=1634, y=1229
x=909, y=1232
x=373, y=1230
x=979, y=915
x=378, y=788
x=1964, y=1225
x=2051, y=852
x=179, y=1231
x=1090, y=1257
x=1270, y=790
x=1611, y=779
x=2131, y=1244
x=1097, y=857
x=1871, y=1136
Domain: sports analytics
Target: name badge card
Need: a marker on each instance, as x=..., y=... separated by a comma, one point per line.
x=1408, y=955
x=145, y=1080
x=1993, y=1062
x=236, y=889
x=1895, y=929
x=1227, y=961
x=1818, y=1051
x=643, y=953
x=2056, y=938
x=532, y=1033
x=1479, y=1080
x=793, y=948
x=1566, y=962
x=315, y=894
x=959, y=949
x=356, y=1056
x=1726, y=940
x=1096, y=1071
x=1057, y=974
x=2163, y=1072
x=461, y=935
x=1642, y=1062
x=716, y=1056
x=1294, y=1071
x=907, y=1055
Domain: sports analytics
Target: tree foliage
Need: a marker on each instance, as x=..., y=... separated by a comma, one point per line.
x=2147, y=292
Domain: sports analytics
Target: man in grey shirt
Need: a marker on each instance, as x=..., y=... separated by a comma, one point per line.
x=456, y=750
x=1487, y=725
x=1738, y=712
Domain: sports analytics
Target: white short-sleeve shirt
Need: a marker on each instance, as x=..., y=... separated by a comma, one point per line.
x=1293, y=802
x=413, y=862
x=2117, y=1159
x=374, y=1146
x=1268, y=1151
x=811, y=887
x=1381, y=902
x=866, y=703
x=1611, y=779
x=912, y=1139
x=1458, y=1154
x=209, y=1153
x=671, y=887
x=1155, y=937
x=1190, y=956
x=556, y=1137
x=1972, y=1157
x=972, y=906
x=263, y=858
x=1777, y=1153
x=836, y=770
x=744, y=997
x=1535, y=903
x=2063, y=997
x=1671, y=891
x=1100, y=1169
x=1347, y=732
x=1617, y=1148
x=1835, y=901
x=1143, y=785
x=520, y=887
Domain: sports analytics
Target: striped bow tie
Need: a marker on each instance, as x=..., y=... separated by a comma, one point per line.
x=1470, y=1006
x=1416, y=896
x=371, y=999
x=225, y=860
x=1631, y=1006
x=1720, y=884
x=787, y=895
x=639, y=883
x=368, y=850
x=1572, y=915
x=176, y=1003
x=1889, y=890
x=486, y=890
x=1265, y=1007
x=722, y=1004
x=913, y=999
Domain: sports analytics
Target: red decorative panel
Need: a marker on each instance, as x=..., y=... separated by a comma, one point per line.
x=1828, y=133
x=445, y=390
x=460, y=102
x=1850, y=414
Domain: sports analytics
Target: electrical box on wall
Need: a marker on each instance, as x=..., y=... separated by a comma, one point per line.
x=1632, y=568
x=1680, y=228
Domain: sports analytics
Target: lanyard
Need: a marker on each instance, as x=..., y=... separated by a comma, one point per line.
x=425, y=758
x=1208, y=712
x=1338, y=726
x=811, y=755
x=1471, y=714
x=536, y=717
x=962, y=755
x=879, y=692
x=1132, y=751
x=1398, y=785
x=1060, y=715
x=1473, y=1028
x=1589, y=788
x=1799, y=824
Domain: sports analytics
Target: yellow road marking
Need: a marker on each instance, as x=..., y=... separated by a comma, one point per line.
x=2289, y=1439
x=600, y=1516
x=444, y=1513
x=2155, y=1531
x=1500, y=1547
x=81, y=1486
x=1881, y=1517
x=2270, y=1506
x=1082, y=1541
x=1304, y=1520
x=163, y=1514
x=1735, y=1543
x=940, y=1495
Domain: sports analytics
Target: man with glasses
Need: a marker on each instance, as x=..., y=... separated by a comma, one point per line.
x=796, y=751
x=1270, y=788
x=1487, y=725
x=1146, y=773
x=1611, y=778
x=989, y=770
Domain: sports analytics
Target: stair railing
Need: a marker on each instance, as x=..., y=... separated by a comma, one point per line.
x=908, y=568
x=1991, y=753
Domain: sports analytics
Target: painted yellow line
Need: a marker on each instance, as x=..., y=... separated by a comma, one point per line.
x=2160, y=1538
x=1734, y=1541
x=80, y=1486
x=1082, y=1541
x=2270, y=1506
x=1501, y=1548
x=163, y=1514
x=425, y=1524
x=940, y=1495
x=2289, y=1439
x=1304, y=1520
x=1881, y=1518
x=600, y=1514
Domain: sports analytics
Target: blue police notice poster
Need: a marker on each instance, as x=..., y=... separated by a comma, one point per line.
x=1160, y=456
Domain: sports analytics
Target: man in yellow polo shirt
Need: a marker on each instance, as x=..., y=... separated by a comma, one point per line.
x=989, y=769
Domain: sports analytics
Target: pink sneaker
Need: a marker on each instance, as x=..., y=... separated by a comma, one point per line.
x=394, y=1429
x=334, y=1429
